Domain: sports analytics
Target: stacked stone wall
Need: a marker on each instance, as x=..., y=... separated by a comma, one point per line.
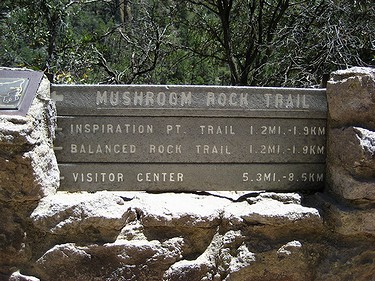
x=47, y=234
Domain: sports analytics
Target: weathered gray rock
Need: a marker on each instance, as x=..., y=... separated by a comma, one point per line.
x=166, y=236
x=196, y=237
x=344, y=185
x=28, y=167
x=271, y=212
x=28, y=172
x=122, y=260
x=351, y=98
x=353, y=149
x=347, y=220
x=348, y=203
x=14, y=248
x=351, y=136
x=351, y=263
x=73, y=215
x=351, y=221
x=81, y=216
x=233, y=257
x=351, y=164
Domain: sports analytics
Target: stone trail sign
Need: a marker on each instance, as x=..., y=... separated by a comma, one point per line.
x=134, y=137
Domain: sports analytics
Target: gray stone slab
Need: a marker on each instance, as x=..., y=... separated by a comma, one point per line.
x=159, y=138
x=154, y=100
x=137, y=139
x=191, y=177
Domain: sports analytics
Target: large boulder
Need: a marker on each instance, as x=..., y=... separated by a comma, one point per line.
x=351, y=136
x=28, y=172
x=173, y=236
x=351, y=98
x=28, y=167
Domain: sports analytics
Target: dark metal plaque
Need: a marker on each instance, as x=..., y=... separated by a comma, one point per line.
x=17, y=90
x=135, y=137
x=189, y=177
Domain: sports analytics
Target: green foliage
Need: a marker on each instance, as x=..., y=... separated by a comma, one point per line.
x=223, y=42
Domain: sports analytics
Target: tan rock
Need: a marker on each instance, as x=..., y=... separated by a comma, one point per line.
x=345, y=186
x=81, y=215
x=351, y=221
x=28, y=172
x=351, y=98
x=353, y=149
x=28, y=167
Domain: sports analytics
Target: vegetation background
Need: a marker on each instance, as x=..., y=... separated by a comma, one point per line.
x=220, y=42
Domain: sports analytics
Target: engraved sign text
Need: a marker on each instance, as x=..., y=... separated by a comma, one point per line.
x=190, y=138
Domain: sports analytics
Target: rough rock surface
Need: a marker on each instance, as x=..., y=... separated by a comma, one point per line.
x=27, y=160
x=163, y=236
x=28, y=172
x=169, y=236
x=351, y=164
x=351, y=98
x=233, y=236
x=351, y=136
x=351, y=151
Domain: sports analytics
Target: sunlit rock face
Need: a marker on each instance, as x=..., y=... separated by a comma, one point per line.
x=351, y=140
x=28, y=172
x=351, y=151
